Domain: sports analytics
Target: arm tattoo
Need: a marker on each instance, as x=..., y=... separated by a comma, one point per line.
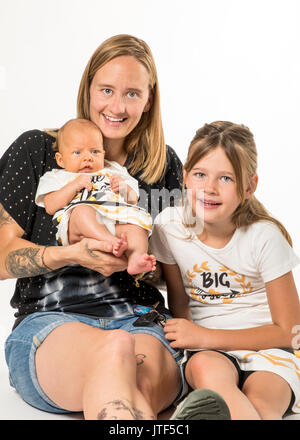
x=25, y=262
x=5, y=218
x=90, y=252
x=120, y=405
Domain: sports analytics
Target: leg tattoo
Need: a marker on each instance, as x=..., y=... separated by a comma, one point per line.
x=140, y=358
x=120, y=405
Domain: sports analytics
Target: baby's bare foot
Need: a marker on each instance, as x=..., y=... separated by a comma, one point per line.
x=120, y=245
x=139, y=263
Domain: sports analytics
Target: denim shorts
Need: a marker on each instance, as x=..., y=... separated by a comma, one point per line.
x=21, y=345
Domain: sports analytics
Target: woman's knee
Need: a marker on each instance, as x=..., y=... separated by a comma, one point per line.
x=91, y=343
x=115, y=344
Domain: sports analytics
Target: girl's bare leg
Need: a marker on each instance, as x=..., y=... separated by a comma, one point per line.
x=82, y=368
x=269, y=393
x=212, y=370
x=84, y=222
x=139, y=260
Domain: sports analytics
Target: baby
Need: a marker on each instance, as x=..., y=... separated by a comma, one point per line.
x=101, y=194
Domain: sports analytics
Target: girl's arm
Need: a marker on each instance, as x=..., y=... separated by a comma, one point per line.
x=56, y=200
x=178, y=300
x=20, y=258
x=285, y=311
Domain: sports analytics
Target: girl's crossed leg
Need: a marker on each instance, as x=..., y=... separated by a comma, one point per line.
x=264, y=395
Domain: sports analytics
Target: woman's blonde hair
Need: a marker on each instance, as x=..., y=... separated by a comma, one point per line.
x=238, y=143
x=146, y=143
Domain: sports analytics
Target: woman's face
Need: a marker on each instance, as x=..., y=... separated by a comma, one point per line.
x=119, y=94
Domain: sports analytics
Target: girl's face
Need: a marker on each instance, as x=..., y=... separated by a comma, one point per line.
x=119, y=94
x=213, y=188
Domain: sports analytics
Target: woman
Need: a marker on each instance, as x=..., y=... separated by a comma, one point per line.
x=60, y=357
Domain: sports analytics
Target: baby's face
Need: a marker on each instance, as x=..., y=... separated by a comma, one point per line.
x=81, y=151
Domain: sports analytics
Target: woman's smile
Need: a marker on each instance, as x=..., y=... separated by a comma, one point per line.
x=119, y=95
x=113, y=120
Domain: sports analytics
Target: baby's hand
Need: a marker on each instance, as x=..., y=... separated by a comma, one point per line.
x=82, y=181
x=117, y=184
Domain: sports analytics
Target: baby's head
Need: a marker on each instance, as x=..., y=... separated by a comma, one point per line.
x=80, y=147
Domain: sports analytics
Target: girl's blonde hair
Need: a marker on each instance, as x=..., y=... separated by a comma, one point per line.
x=238, y=143
x=146, y=142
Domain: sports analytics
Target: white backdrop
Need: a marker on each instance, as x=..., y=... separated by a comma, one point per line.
x=234, y=60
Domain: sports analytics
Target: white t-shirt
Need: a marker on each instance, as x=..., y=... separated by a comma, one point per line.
x=57, y=178
x=226, y=286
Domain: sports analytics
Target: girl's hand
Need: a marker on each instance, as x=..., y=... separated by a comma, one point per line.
x=82, y=181
x=184, y=334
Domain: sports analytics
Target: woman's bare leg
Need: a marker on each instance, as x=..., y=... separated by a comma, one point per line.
x=158, y=376
x=81, y=368
x=212, y=370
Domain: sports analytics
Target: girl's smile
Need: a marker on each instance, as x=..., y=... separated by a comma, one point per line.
x=209, y=204
x=213, y=189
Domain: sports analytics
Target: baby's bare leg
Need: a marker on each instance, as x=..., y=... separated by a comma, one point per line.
x=84, y=222
x=139, y=260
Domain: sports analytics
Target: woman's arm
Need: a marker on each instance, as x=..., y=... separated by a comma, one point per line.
x=20, y=258
x=285, y=311
x=178, y=300
x=56, y=200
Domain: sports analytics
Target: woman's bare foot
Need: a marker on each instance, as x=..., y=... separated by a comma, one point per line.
x=138, y=263
x=120, y=245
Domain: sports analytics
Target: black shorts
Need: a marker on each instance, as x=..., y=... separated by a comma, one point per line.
x=243, y=375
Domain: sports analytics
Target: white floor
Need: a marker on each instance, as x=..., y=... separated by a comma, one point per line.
x=12, y=407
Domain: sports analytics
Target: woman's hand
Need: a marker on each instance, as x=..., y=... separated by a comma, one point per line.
x=89, y=253
x=184, y=333
x=20, y=258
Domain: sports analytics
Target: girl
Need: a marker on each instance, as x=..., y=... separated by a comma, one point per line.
x=231, y=274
